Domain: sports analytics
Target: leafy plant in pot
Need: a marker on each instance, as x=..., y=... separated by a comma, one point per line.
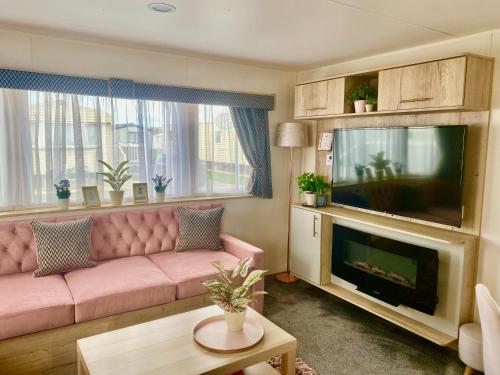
x=359, y=94
x=63, y=193
x=371, y=102
x=379, y=163
x=226, y=293
x=116, y=177
x=311, y=186
x=160, y=185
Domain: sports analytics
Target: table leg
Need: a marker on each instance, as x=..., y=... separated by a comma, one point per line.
x=80, y=368
x=288, y=362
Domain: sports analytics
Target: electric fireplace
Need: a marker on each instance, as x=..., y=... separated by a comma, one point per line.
x=392, y=271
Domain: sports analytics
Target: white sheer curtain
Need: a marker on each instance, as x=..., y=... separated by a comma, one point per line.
x=15, y=149
x=69, y=133
x=45, y=137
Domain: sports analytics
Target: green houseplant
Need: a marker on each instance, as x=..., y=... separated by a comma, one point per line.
x=115, y=177
x=359, y=94
x=232, y=297
x=379, y=163
x=63, y=193
x=311, y=185
x=371, y=102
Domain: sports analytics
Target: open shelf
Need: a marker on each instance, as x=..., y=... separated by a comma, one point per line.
x=392, y=316
x=391, y=113
x=429, y=232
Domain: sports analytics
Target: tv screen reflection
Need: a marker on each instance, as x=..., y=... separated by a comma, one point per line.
x=407, y=171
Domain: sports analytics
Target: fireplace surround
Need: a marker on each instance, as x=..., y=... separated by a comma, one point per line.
x=392, y=271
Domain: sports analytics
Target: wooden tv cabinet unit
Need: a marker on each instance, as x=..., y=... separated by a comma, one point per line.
x=311, y=259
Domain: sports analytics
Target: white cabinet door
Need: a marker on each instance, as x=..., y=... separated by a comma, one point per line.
x=305, y=244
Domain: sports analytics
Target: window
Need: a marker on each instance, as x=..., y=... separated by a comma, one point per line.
x=63, y=136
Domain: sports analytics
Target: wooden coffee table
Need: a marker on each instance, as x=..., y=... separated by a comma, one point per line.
x=166, y=346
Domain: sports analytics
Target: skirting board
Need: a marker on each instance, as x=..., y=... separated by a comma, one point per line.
x=53, y=352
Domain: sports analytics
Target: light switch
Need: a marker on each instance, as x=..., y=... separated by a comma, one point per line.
x=329, y=160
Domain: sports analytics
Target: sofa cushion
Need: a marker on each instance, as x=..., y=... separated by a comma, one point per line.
x=30, y=304
x=118, y=285
x=199, y=229
x=62, y=247
x=189, y=268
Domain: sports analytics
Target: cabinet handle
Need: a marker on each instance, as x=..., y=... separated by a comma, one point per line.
x=414, y=100
x=314, y=225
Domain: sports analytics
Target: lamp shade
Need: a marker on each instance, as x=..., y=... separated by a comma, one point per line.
x=291, y=134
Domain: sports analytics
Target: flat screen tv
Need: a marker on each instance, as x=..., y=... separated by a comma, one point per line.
x=415, y=172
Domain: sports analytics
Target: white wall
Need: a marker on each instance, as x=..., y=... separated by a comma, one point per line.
x=260, y=222
x=486, y=44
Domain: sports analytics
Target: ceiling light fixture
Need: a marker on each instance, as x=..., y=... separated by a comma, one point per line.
x=162, y=7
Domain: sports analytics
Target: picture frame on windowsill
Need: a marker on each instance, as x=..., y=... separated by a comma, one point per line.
x=91, y=196
x=140, y=190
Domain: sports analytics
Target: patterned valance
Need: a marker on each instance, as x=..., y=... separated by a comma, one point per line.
x=123, y=88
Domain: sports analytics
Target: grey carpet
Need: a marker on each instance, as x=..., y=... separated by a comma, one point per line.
x=337, y=338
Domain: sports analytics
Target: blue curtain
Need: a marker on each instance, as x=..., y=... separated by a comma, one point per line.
x=252, y=128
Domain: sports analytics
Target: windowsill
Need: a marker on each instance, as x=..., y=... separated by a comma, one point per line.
x=77, y=208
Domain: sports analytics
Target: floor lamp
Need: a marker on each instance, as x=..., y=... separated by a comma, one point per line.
x=291, y=135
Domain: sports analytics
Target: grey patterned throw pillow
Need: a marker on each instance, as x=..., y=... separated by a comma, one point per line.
x=62, y=247
x=199, y=229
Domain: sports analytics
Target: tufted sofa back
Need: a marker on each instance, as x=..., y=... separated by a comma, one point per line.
x=114, y=235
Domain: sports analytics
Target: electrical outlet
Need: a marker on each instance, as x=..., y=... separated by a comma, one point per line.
x=329, y=160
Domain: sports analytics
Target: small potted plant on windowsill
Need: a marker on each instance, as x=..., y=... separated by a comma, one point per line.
x=226, y=293
x=63, y=193
x=116, y=178
x=359, y=94
x=160, y=184
x=311, y=186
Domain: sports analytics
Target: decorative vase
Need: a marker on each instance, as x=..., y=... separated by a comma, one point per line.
x=160, y=196
x=311, y=199
x=370, y=107
x=380, y=174
x=359, y=106
x=116, y=197
x=63, y=203
x=235, y=320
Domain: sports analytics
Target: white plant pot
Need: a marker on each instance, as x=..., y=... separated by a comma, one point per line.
x=370, y=107
x=311, y=199
x=235, y=320
x=160, y=196
x=63, y=203
x=359, y=106
x=379, y=173
x=116, y=197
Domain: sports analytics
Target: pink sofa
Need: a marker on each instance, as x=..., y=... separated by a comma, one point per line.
x=137, y=268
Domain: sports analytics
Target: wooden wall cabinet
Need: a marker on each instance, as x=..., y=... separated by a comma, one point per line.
x=438, y=84
x=456, y=83
x=320, y=98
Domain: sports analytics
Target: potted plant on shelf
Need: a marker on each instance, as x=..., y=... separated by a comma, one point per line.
x=63, y=193
x=116, y=177
x=359, y=94
x=226, y=293
x=360, y=171
x=311, y=186
x=160, y=184
x=379, y=163
x=371, y=102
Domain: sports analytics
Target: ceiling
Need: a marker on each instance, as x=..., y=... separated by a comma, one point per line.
x=291, y=34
